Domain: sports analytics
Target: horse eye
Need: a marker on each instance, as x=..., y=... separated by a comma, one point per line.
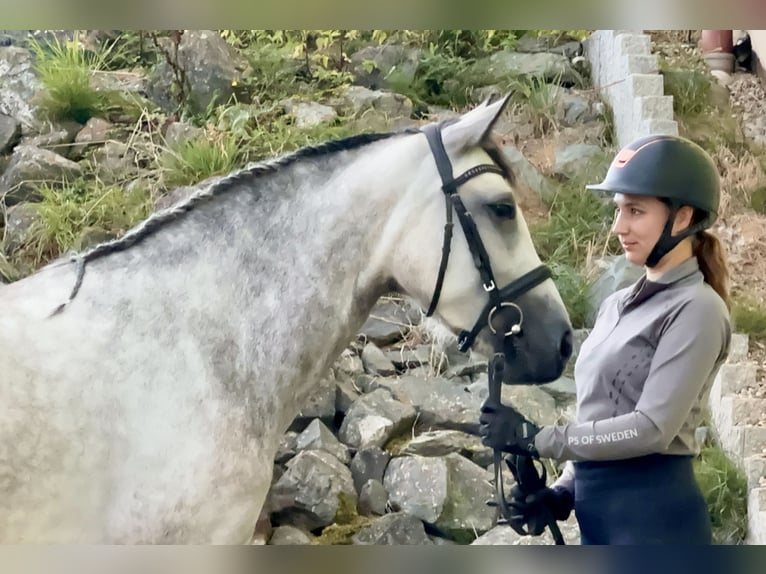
x=503, y=210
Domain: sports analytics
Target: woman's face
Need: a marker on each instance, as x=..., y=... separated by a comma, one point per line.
x=638, y=223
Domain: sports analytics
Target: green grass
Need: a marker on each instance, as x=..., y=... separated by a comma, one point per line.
x=578, y=228
x=200, y=159
x=65, y=70
x=749, y=317
x=691, y=91
x=758, y=199
x=725, y=490
x=537, y=99
x=79, y=212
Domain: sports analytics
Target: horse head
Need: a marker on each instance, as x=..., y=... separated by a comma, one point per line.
x=466, y=253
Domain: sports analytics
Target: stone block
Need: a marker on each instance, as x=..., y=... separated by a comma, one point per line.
x=755, y=470
x=640, y=64
x=739, y=347
x=638, y=85
x=653, y=108
x=736, y=377
x=664, y=127
x=753, y=441
x=634, y=44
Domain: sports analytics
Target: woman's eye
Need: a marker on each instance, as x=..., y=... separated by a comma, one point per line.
x=503, y=210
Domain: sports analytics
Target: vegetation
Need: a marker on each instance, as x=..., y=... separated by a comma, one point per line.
x=66, y=69
x=725, y=490
x=749, y=317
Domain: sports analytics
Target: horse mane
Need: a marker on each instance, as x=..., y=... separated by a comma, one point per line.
x=231, y=181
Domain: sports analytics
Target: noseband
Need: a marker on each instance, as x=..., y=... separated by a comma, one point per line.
x=498, y=298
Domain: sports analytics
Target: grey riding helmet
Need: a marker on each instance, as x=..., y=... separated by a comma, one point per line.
x=673, y=169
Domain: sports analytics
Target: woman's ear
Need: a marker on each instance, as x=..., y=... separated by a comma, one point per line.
x=683, y=220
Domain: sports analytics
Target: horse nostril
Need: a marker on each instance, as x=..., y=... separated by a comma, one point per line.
x=566, y=344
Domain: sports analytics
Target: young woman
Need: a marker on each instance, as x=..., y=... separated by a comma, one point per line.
x=644, y=373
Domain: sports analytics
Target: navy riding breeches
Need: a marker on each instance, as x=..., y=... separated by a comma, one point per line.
x=651, y=499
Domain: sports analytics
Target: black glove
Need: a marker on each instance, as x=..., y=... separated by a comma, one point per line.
x=529, y=508
x=503, y=428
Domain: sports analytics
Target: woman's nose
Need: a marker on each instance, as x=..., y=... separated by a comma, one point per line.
x=618, y=225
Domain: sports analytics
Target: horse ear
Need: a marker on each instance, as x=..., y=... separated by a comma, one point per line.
x=473, y=126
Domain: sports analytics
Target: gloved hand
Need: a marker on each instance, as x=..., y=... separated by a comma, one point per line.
x=504, y=428
x=557, y=500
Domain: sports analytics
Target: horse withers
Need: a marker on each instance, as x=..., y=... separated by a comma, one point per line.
x=145, y=384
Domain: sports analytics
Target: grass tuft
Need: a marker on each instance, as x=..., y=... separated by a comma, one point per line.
x=725, y=491
x=65, y=69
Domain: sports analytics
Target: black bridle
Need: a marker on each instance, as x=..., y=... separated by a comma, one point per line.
x=498, y=298
x=522, y=468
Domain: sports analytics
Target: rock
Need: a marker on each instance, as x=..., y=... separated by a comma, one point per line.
x=20, y=221
x=30, y=166
x=376, y=362
x=369, y=463
x=287, y=448
x=289, y=536
x=114, y=162
x=528, y=173
x=389, y=321
x=373, y=65
x=346, y=394
x=55, y=137
x=317, y=436
x=563, y=390
x=409, y=357
x=123, y=81
x=574, y=109
x=349, y=364
x=444, y=442
x=395, y=529
x=319, y=403
x=19, y=86
x=179, y=133
x=374, y=419
x=358, y=100
x=544, y=65
x=447, y=492
x=534, y=44
x=307, y=494
x=10, y=133
x=504, y=535
x=372, y=498
x=310, y=114
x=213, y=69
x=440, y=403
x=95, y=132
x=576, y=160
x=530, y=400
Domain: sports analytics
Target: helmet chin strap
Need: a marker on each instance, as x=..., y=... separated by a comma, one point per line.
x=667, y=241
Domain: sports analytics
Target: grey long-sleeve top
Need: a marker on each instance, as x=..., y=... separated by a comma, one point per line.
x=644, y=373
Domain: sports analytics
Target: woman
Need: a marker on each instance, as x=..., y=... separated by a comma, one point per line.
x=644, y=373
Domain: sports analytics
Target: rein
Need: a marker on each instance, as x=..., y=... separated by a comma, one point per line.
x=522, y=468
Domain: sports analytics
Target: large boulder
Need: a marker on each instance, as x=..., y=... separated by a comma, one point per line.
x=212, y=68
x=19, y=86
x=28, y=167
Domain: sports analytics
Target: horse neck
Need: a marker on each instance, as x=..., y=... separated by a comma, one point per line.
x=293, y=260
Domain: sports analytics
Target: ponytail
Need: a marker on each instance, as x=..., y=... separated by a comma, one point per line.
x=712, y=261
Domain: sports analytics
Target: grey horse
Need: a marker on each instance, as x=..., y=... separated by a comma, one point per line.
x=145, y=384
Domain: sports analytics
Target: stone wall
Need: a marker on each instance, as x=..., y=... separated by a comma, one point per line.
x=627, y=73
x=739, y=419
